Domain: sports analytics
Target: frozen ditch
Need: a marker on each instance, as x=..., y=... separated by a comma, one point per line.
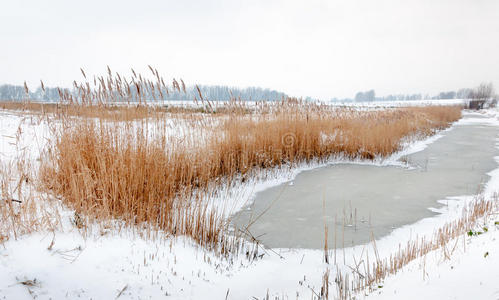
x=372, y=199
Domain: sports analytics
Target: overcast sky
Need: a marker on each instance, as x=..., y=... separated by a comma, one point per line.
x=318, y=48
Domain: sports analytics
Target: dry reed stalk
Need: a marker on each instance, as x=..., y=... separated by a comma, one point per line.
x=325, y=285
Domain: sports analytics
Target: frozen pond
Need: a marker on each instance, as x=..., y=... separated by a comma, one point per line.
x=355, y=201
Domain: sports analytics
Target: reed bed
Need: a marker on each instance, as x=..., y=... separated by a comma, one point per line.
x=150, y=171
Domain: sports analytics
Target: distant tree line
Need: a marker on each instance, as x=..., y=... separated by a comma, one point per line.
x=483, y=91
x=16, y=92
x=212, y=93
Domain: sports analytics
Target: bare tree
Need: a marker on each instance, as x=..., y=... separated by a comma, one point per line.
x=481, y=95
x=484, y=91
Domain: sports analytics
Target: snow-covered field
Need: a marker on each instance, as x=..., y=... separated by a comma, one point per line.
x=400, y=103
x=106, y=264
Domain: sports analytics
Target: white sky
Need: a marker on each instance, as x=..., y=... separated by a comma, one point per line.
x=318, y=48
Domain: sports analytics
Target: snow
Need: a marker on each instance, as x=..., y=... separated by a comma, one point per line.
x=19, y=134
x=99, y=268
x=471, y=273
x=400, y=103
x=105, y=263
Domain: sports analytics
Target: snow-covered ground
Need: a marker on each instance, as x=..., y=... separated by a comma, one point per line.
x=106, y=264
x=470, y=273
x=400, y=103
